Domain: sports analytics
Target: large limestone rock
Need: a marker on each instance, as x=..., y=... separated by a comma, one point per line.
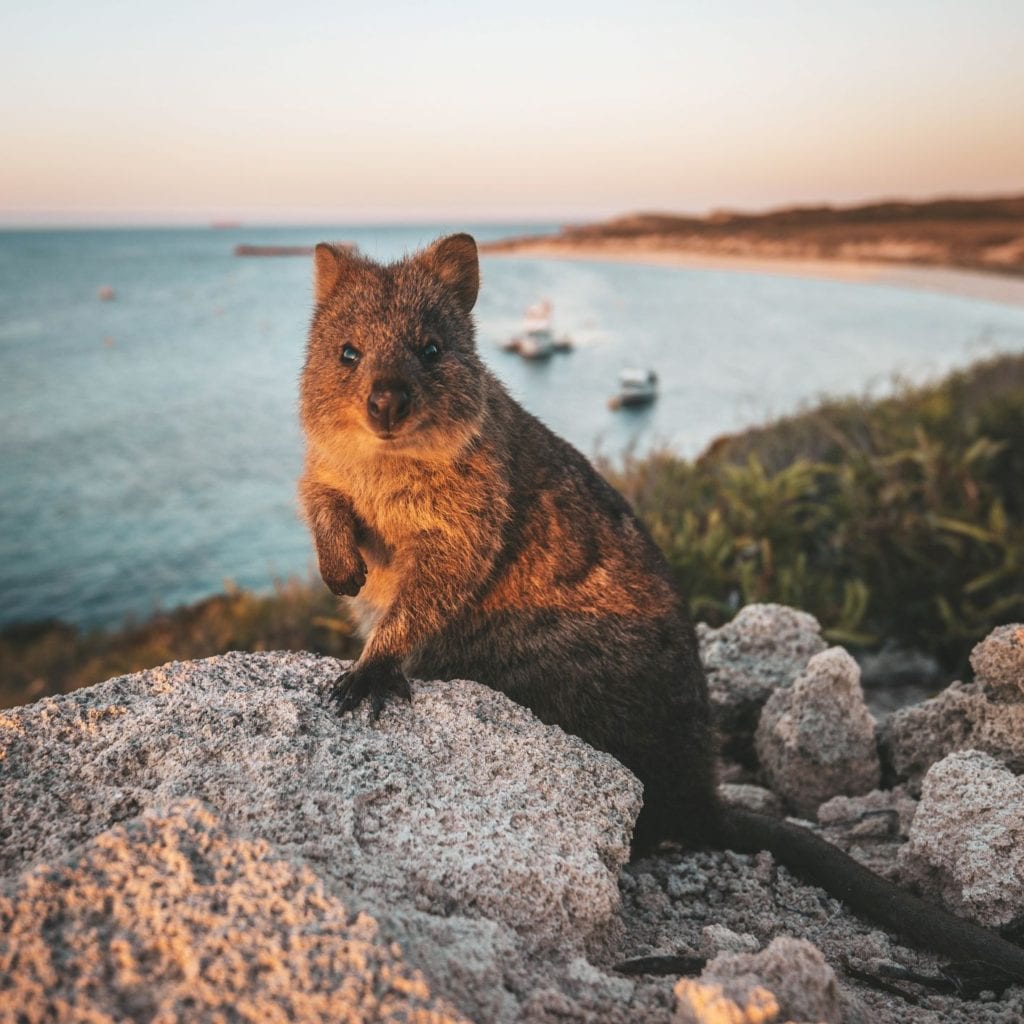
x=966, y=845
x=816, y=739
x=458, y=818
x=170, y=918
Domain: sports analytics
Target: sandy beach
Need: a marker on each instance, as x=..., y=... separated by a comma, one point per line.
x=989, y=287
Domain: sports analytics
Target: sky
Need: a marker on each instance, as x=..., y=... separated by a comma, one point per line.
x=305, y=111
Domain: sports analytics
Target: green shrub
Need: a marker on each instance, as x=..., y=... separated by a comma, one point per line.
x=898, y=519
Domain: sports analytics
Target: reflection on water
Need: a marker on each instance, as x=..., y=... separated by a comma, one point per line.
x=150, y=443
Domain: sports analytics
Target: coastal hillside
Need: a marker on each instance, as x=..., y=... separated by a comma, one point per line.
x=973, y=234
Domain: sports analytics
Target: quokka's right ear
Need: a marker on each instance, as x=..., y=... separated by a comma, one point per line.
x=329, y=263
x=455, y=261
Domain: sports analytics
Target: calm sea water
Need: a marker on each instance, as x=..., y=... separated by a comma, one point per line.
x=150, y=444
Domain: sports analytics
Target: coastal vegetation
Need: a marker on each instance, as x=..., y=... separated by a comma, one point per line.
x=899, y=520
x=896, y=520
x=53, y=657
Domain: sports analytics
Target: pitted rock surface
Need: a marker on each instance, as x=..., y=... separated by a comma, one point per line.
x=816, y=738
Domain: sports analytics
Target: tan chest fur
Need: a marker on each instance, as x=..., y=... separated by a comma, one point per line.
x=405, y=504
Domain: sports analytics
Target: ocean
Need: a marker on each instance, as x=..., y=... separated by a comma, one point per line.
x=150, y=443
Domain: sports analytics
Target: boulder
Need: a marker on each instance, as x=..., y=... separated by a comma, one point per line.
x=816, y=738
x=459, y=815
x=966, y=845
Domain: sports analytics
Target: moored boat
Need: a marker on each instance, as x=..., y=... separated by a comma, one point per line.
x=537, y=340
x=637, y=388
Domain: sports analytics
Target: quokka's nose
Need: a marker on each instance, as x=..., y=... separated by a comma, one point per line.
x=388, y=405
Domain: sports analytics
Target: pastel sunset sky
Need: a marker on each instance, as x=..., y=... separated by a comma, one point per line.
x=305, y=111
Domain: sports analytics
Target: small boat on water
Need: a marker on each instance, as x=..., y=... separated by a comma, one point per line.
x=537, y=340
x=637, y=388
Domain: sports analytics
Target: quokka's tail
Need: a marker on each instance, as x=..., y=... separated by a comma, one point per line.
x=878, y=899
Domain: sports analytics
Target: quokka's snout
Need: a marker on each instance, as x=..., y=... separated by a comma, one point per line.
x=388, y=404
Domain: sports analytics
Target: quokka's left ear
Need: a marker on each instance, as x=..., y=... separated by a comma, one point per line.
x=331, y=263
x=455, y=261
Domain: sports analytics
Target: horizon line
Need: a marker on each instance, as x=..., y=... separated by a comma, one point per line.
x=40, y=220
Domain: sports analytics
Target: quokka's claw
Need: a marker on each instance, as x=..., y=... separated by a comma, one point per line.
x=376, y=680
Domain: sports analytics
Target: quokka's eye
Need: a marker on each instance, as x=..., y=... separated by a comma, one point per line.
x=350, y=355
x=431, y=352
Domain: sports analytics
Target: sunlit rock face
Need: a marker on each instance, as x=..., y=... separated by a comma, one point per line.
x=458, y=821
x=169, y=917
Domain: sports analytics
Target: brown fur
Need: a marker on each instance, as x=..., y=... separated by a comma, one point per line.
x=493, y=550
x=477, y=544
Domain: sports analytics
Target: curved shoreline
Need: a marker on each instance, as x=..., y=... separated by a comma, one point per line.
x=971, y=284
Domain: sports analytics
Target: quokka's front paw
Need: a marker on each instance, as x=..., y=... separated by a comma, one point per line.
x=376, y=680
x=344, y=579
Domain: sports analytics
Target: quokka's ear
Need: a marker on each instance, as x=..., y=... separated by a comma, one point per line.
x=329, y=264
x=454, y=260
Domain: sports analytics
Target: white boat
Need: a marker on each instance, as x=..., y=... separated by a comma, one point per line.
x=636, y=388
x=537, y=340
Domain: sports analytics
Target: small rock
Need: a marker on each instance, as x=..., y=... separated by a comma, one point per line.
x=764, y=647
x=788, y=981
x=871, y=828
x=751, y=798
x=816, y=739
x=998, y=663
x=960, y=718
x=895, y=808
x=966, y=845
x=716, y=938
x=698, y=1003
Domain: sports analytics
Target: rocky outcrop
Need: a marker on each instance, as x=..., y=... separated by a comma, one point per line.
x=458, y=821
x=816, y=738
x=208, y=841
